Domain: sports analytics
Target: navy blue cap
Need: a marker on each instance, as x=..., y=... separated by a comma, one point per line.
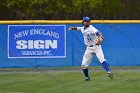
x=86, y=19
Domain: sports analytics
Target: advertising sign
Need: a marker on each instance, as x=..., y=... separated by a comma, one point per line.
x=36, y=41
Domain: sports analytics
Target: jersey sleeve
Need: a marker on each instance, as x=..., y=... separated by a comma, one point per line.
x=95, y=31
x=79, y=28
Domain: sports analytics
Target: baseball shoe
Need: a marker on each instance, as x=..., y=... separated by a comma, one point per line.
x=87, y=79
x=110, y=75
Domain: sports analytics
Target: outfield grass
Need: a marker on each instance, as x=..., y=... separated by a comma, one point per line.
x=69, y=82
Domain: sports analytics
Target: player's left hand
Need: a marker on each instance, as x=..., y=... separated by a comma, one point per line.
x=100, y=40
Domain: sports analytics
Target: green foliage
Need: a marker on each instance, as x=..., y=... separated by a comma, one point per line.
x=38, y=9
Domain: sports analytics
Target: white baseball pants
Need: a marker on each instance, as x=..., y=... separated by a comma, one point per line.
x=88, y=56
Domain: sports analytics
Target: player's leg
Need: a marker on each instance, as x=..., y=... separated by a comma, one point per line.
x=100, y=56
x=85, y=63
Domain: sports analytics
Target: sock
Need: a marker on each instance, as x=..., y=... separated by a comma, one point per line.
x=85, y=72
x=106, y=67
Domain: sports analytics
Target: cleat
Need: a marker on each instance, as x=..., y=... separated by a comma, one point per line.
x=110, y=75
x=87, y=79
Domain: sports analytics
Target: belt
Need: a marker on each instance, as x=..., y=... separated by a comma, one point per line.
x=91, y=46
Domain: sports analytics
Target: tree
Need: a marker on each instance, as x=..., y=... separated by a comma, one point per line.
x=69, y=9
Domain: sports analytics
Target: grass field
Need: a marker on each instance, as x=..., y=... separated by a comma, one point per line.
x=70, y=81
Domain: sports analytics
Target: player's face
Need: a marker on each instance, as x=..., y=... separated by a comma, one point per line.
x=86, y=23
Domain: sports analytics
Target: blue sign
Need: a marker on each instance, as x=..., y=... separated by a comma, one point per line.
x=36, y=41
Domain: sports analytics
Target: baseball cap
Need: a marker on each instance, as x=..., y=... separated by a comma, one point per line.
x=86, y=19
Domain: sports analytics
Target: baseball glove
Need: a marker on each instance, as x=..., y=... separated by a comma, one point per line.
x=99, y=40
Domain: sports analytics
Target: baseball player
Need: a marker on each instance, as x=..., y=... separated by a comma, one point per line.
x=93, y=40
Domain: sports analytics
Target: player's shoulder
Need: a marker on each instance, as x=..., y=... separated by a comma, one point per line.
x=92, y=27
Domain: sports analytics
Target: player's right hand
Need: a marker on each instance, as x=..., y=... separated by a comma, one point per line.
x=70, y=28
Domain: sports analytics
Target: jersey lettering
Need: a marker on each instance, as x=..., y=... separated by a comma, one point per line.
x=89, y=38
